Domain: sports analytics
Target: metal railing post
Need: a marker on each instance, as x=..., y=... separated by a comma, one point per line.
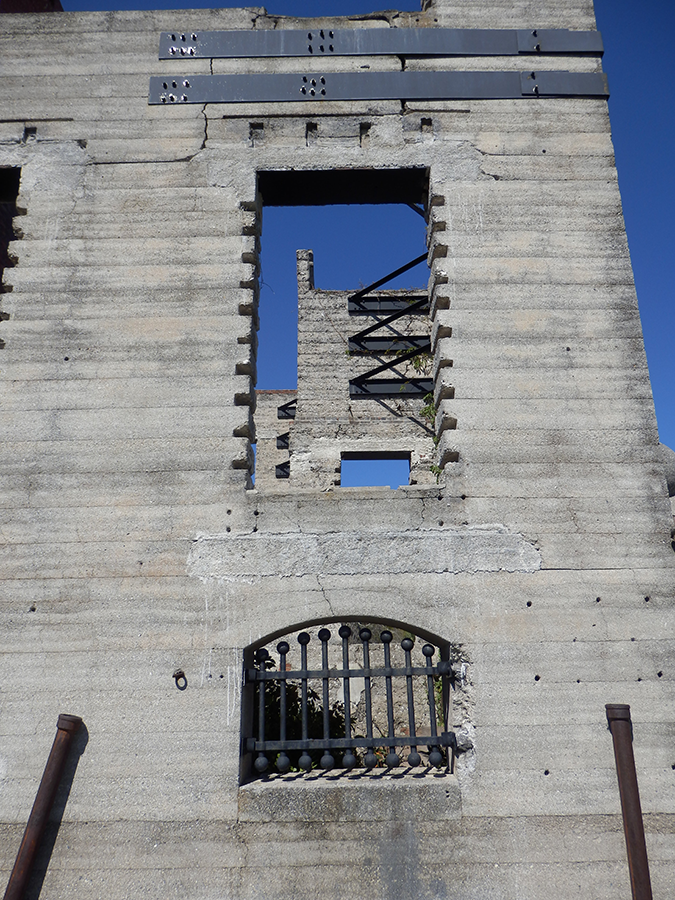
x=621, y=727
x=66, y=729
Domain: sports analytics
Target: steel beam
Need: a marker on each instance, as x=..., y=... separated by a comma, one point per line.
x=391, y=387
x=323, y=42
x=315, y=86
x=371, y=306
x=389, y=343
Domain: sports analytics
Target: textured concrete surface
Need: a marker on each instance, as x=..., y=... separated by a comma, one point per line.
x=134, y=543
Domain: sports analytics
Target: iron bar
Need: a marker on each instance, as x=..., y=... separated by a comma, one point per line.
x=327, y=761
x=621, y=728
x=369, y=759
x=348, y=759
x=372, y=672
x=435, y=756
x=318, y=42
x=66, y=728
x=386, y=638
x=305, y=761
x=314, y=86
x=261, y=763
x=395, y=343
x=446, y=739
x=283, y=763
x=391, y=387
x=389, y=303
x=414, y=759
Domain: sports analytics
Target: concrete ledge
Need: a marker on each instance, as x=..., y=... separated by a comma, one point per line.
x=351, y=798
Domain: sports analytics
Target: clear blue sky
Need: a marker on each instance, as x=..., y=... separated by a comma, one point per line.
x=640, y=62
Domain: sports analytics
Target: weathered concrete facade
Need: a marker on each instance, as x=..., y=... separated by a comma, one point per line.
x=134, y=544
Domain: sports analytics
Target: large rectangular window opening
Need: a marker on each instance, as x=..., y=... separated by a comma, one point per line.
x=360, y=225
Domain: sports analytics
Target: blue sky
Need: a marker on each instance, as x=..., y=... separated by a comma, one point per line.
x=640, y=62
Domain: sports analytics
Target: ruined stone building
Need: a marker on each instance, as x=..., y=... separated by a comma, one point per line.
x=148, y=580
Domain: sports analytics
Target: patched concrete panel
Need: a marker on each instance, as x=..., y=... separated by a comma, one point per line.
x=486, y=548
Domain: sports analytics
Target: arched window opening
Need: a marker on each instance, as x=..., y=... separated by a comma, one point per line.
x=352, y=696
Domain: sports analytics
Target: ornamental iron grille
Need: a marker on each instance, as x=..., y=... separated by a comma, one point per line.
x=371, y=697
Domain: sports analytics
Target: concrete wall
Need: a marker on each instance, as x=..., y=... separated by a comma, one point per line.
x=135, y=546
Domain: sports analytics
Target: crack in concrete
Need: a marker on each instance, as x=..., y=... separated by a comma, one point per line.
x=206, y=121
x=323, y=594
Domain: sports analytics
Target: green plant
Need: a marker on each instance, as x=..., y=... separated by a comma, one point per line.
x=428, y=411
x=436, y=470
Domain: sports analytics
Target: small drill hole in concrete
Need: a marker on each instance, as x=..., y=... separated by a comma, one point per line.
x=659, y=674
x=546, y=772
x=529, y=603
x=537, y=677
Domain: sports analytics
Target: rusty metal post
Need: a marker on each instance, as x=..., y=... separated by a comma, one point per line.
x=621, y=727
x=67, y=727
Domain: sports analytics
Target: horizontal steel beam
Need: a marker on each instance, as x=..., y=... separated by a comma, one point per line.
x=391, y=387
x=368, y=306
x=324, y=42
x=317, y=86
x=287, y=410
x=389, y=344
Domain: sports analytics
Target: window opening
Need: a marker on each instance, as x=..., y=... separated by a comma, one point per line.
x=353, y=245
x=375, y=469
x=9, y=191
x=367, y=697
x=359, y=224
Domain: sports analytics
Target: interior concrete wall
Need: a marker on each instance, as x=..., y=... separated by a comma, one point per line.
x=135, y=545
